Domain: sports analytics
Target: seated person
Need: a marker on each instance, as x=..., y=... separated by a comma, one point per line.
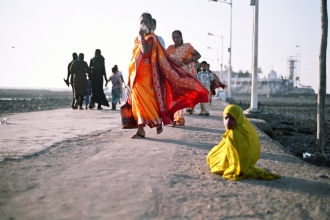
x=239, y=150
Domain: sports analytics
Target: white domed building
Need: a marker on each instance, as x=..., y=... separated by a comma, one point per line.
x=272, y=75
x=273, y=85
x=266, y=86
x=270, y=84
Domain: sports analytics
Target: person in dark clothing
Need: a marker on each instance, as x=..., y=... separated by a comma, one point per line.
x=78, y=69
x=96, y=76
x=74, y=57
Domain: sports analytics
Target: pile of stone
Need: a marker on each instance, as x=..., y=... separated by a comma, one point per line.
x=293, y=121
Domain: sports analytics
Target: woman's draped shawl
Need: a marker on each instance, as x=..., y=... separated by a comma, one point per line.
x=175, y=88
x=239, y=150
x=98, y=62
x=180, y=53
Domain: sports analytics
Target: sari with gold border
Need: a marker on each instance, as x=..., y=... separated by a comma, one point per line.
x=172, y=87
x=180, y=53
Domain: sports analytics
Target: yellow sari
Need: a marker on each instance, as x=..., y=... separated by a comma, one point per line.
x=159, y=86
x=239, y=150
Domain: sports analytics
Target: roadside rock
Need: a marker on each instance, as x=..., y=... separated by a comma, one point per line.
x=293, y=123
x=262, y=125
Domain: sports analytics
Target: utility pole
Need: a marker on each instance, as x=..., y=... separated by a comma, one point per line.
x=320, y=127
x=254, y=90
x=229, y=49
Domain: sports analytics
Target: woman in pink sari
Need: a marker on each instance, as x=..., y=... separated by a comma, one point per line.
x=185, y=56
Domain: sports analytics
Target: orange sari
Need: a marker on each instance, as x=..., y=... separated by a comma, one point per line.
x=159, y=86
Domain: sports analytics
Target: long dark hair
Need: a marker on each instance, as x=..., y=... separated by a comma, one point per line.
x=179, y=33
x=114, y=69
x=148, y=16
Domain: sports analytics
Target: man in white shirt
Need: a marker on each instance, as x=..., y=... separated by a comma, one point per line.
x=161, y=40
x=205, y=77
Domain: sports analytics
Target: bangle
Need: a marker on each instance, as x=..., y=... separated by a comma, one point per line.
x=143, y=41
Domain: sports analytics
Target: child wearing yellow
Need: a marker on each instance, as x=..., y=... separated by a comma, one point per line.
x=237, y=153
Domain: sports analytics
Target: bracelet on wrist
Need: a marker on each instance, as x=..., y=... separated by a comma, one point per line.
x=143, y=41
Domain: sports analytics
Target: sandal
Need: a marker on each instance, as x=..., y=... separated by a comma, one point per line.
x=159, y=129
x=138, y=136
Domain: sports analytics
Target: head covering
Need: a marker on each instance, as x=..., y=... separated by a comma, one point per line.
x=98, y=62
x=242, y=123
x=239, y=150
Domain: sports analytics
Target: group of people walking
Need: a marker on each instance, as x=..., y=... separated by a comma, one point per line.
x=162, y=83
x=87, y=82
x=178, y=71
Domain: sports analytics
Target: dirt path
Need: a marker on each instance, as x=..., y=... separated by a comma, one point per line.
x=107, y=175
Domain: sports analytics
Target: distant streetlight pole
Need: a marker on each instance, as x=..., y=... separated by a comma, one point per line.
x=221, y=50
x=217, y=55
x=254, y=90
x=208, y=59
x=229, y=49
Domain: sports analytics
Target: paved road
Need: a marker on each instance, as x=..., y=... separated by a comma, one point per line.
x=82, y=165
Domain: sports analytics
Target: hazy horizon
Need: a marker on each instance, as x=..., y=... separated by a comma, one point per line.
x=38, y=37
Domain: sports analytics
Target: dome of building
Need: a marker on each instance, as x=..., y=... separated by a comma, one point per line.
x=272, y=74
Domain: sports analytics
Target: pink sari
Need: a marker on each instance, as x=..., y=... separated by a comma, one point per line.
x=179, y=54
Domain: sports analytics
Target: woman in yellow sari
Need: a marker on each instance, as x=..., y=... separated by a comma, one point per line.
x=159, y=86
x=185, y=55
x=239, y=150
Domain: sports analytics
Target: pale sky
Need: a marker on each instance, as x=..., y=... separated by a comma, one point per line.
x=46, y=33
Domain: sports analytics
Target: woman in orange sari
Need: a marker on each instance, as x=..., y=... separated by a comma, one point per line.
x=159, y=86
x=184, y=55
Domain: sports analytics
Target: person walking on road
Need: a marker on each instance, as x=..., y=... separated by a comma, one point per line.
x=97, y=73
x=206, y=78
x=116, y=87
x=161, y=40
x=79, y=69
x=123, y=82
x=88, y=93
x=67, y=82
x=185, y=55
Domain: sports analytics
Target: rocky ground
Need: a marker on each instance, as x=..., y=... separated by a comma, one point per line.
x=18, y=101
x=294, y=120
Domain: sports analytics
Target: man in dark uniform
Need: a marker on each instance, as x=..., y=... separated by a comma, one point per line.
x=74, y=57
